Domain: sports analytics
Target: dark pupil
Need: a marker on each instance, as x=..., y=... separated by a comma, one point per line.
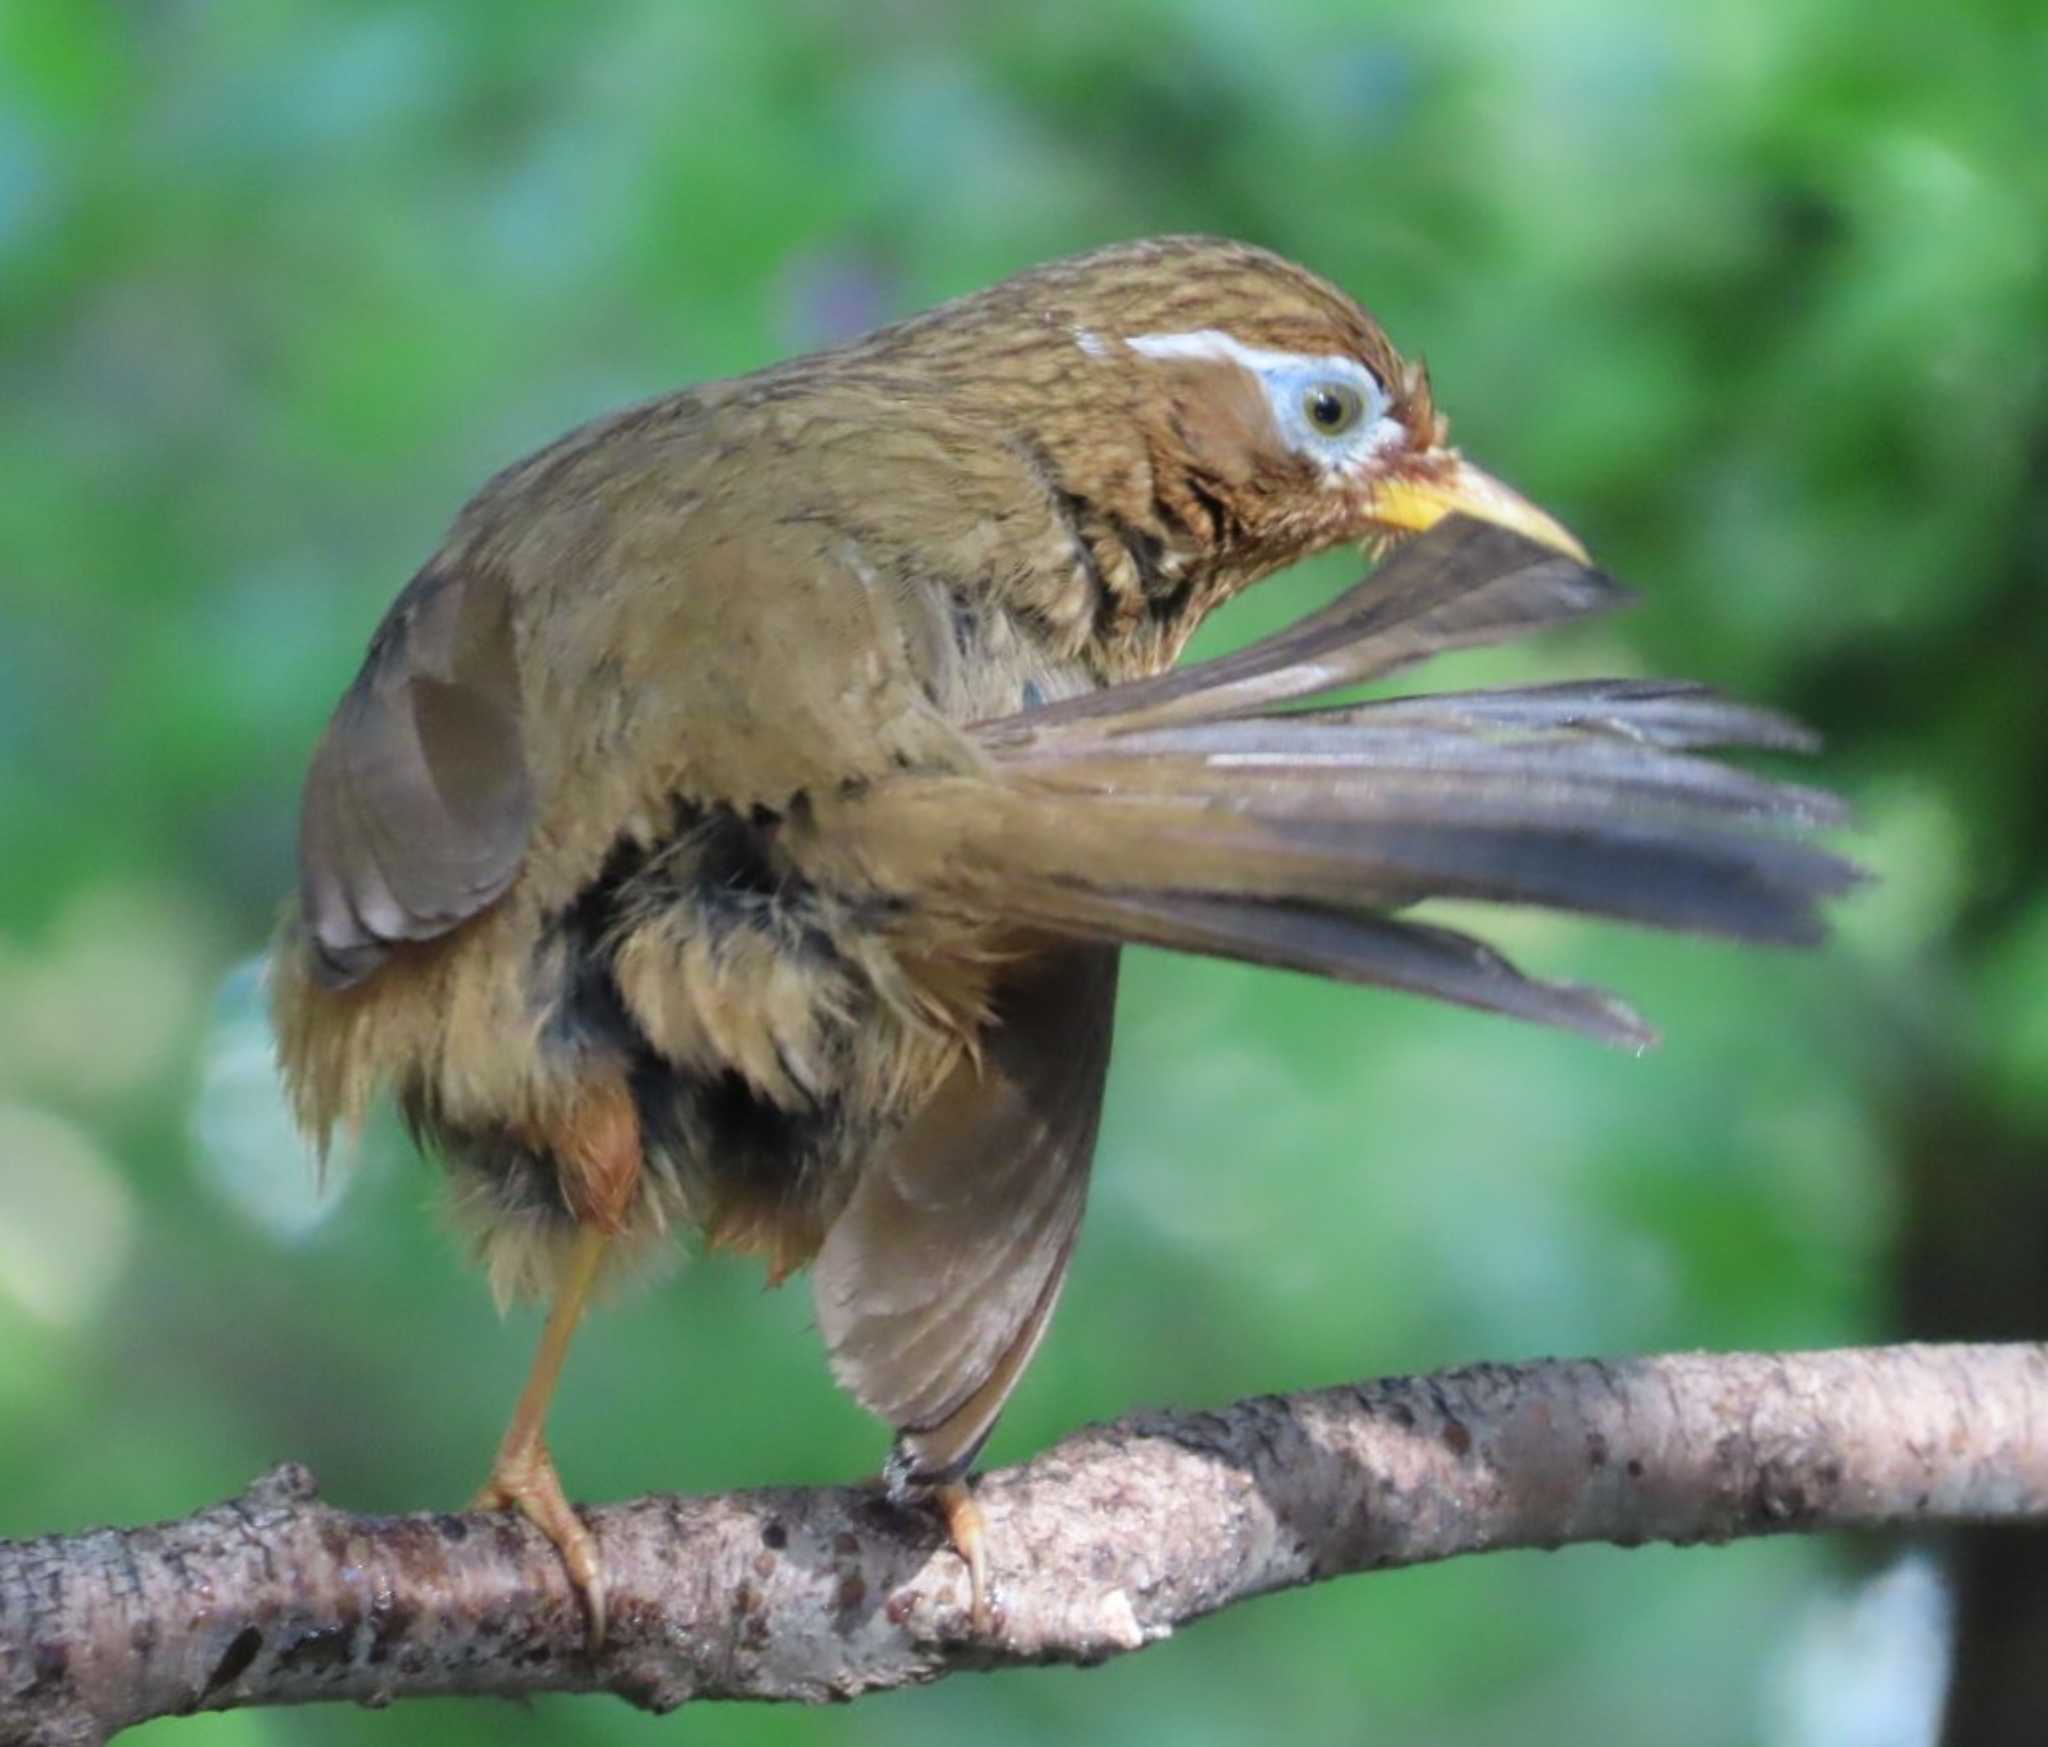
x=1326, y=409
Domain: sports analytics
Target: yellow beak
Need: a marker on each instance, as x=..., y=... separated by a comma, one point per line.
x=1412, y=505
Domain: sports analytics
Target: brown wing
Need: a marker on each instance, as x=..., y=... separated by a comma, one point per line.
x=1206, y=810
x=936, y=1281
x=418, y=803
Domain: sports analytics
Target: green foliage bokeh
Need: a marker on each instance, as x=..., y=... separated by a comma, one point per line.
x=1751, y=295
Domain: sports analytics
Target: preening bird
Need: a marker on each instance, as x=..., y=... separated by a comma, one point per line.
x=733, y=826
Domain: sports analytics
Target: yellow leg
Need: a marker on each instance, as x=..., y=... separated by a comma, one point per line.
x=969, y=1531
x=523, y=1476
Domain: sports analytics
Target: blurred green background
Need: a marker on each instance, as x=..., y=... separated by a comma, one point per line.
x=1752, y=295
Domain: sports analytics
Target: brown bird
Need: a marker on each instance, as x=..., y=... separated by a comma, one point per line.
x=733, y=825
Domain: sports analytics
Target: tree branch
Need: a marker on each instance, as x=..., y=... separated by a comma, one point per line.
x=1103, y=1544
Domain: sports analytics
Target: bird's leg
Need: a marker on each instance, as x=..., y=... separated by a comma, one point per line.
x=523, y=1476
x=595, y=1144
x=968, y=1530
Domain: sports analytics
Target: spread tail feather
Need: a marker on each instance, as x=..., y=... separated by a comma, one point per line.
x=1188, y=811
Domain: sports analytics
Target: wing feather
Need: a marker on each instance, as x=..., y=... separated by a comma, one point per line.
x=419, y=803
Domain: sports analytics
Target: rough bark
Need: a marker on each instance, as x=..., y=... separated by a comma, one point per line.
x=1102, y=1545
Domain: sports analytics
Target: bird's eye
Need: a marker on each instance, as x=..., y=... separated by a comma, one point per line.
x=1332, y=408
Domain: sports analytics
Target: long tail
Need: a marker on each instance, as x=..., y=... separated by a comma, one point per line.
x=1207, y=810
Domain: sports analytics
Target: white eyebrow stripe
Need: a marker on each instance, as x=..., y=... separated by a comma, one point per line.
x=1213, y=345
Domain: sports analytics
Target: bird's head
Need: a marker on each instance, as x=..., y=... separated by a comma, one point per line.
x=1203, y=413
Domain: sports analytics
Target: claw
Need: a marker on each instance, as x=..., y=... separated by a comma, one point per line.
x=968, y=1529
x=524, y=1479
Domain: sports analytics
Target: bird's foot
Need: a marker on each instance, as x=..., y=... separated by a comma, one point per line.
x=968, y=1529
x=523, y=1478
